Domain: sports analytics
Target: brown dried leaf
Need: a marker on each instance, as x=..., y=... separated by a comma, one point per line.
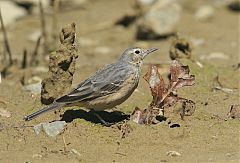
x=177, y=70
x=163, y=95
x=156, y=83
x=146, y=116
x=180, y=76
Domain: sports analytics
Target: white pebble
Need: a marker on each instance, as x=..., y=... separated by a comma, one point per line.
x=5, y=113
x=173, y=153
x=204, y=13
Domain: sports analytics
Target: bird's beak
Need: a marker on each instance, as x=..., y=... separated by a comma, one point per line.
x=148, y=51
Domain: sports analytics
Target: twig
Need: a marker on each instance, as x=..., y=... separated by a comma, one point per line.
x=35, y=52
x=65, y=144
x=24, y=59
x=7, y=127
x=55, y=22
x=5, y=38
x=43, y=27
x=217, y=85
x=4, y=55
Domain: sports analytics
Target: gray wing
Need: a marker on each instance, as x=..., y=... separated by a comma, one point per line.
x=104, y=82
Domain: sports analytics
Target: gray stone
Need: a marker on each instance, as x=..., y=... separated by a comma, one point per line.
x=161, y=19
x=51, y=129
x=11, y=12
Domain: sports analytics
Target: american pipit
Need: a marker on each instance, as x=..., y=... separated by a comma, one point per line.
x=107, y=88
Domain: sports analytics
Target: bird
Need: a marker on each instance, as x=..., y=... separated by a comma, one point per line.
x=108, y=87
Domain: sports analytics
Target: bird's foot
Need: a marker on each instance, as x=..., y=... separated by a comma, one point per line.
x=107, y=124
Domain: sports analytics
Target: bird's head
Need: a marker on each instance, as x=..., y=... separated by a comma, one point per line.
x=135, y=55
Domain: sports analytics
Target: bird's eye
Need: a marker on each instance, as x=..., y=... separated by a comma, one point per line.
x=137, y=52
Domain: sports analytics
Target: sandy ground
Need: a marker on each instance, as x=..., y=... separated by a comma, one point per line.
x=203, y=137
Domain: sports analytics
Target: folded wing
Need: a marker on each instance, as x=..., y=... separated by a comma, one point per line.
x=106, y=81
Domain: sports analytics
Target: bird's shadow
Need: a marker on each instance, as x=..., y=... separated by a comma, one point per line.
x=111, y=117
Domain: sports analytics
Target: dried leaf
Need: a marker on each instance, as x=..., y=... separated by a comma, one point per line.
x=177, y=70
x=180, y=76
x=157, y=84
x=146, y=116
x=217, y=85
x=164, y=95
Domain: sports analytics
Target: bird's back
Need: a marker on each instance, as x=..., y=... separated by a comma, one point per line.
x=106, y=81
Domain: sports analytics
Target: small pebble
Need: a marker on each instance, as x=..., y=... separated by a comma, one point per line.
x=86, y=42
x=204, y=13
x=173, y=153
x=37, y=156
x=197, y=41
x=33, y=37
x=103, y=50
x=34, y=88
x=51, y=129
x=214, y=55
x=75, y=152
x=160, y=20
x=5, y=113
x=11, y=12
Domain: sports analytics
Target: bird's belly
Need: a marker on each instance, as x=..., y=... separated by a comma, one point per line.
x=114, y=99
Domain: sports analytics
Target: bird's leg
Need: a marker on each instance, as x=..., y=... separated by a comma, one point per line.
x=108, y=124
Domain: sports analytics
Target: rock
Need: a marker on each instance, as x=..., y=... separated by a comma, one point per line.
x=220, y=3
x=204, y=13
x=146, y=2
x=75, y=2
x=11, y=12
x=102, y=50
x=37, y=128
x=214, y=55
x=160, y=20
x=40, y=69
x=54, y=128
x=86, y=42
x=30, y=2
x=173, y=153
x=33, y=37
x=51, y=129
x=37, y=156
x=33, y=85
x=197, y=41
x=34, y=88
x=74, y=151
x=5, y=113
x=234, y=6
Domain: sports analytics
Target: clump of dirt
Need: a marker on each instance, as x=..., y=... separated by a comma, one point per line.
x=61, y=66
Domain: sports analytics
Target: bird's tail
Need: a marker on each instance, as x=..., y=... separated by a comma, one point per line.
x=51, y=107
